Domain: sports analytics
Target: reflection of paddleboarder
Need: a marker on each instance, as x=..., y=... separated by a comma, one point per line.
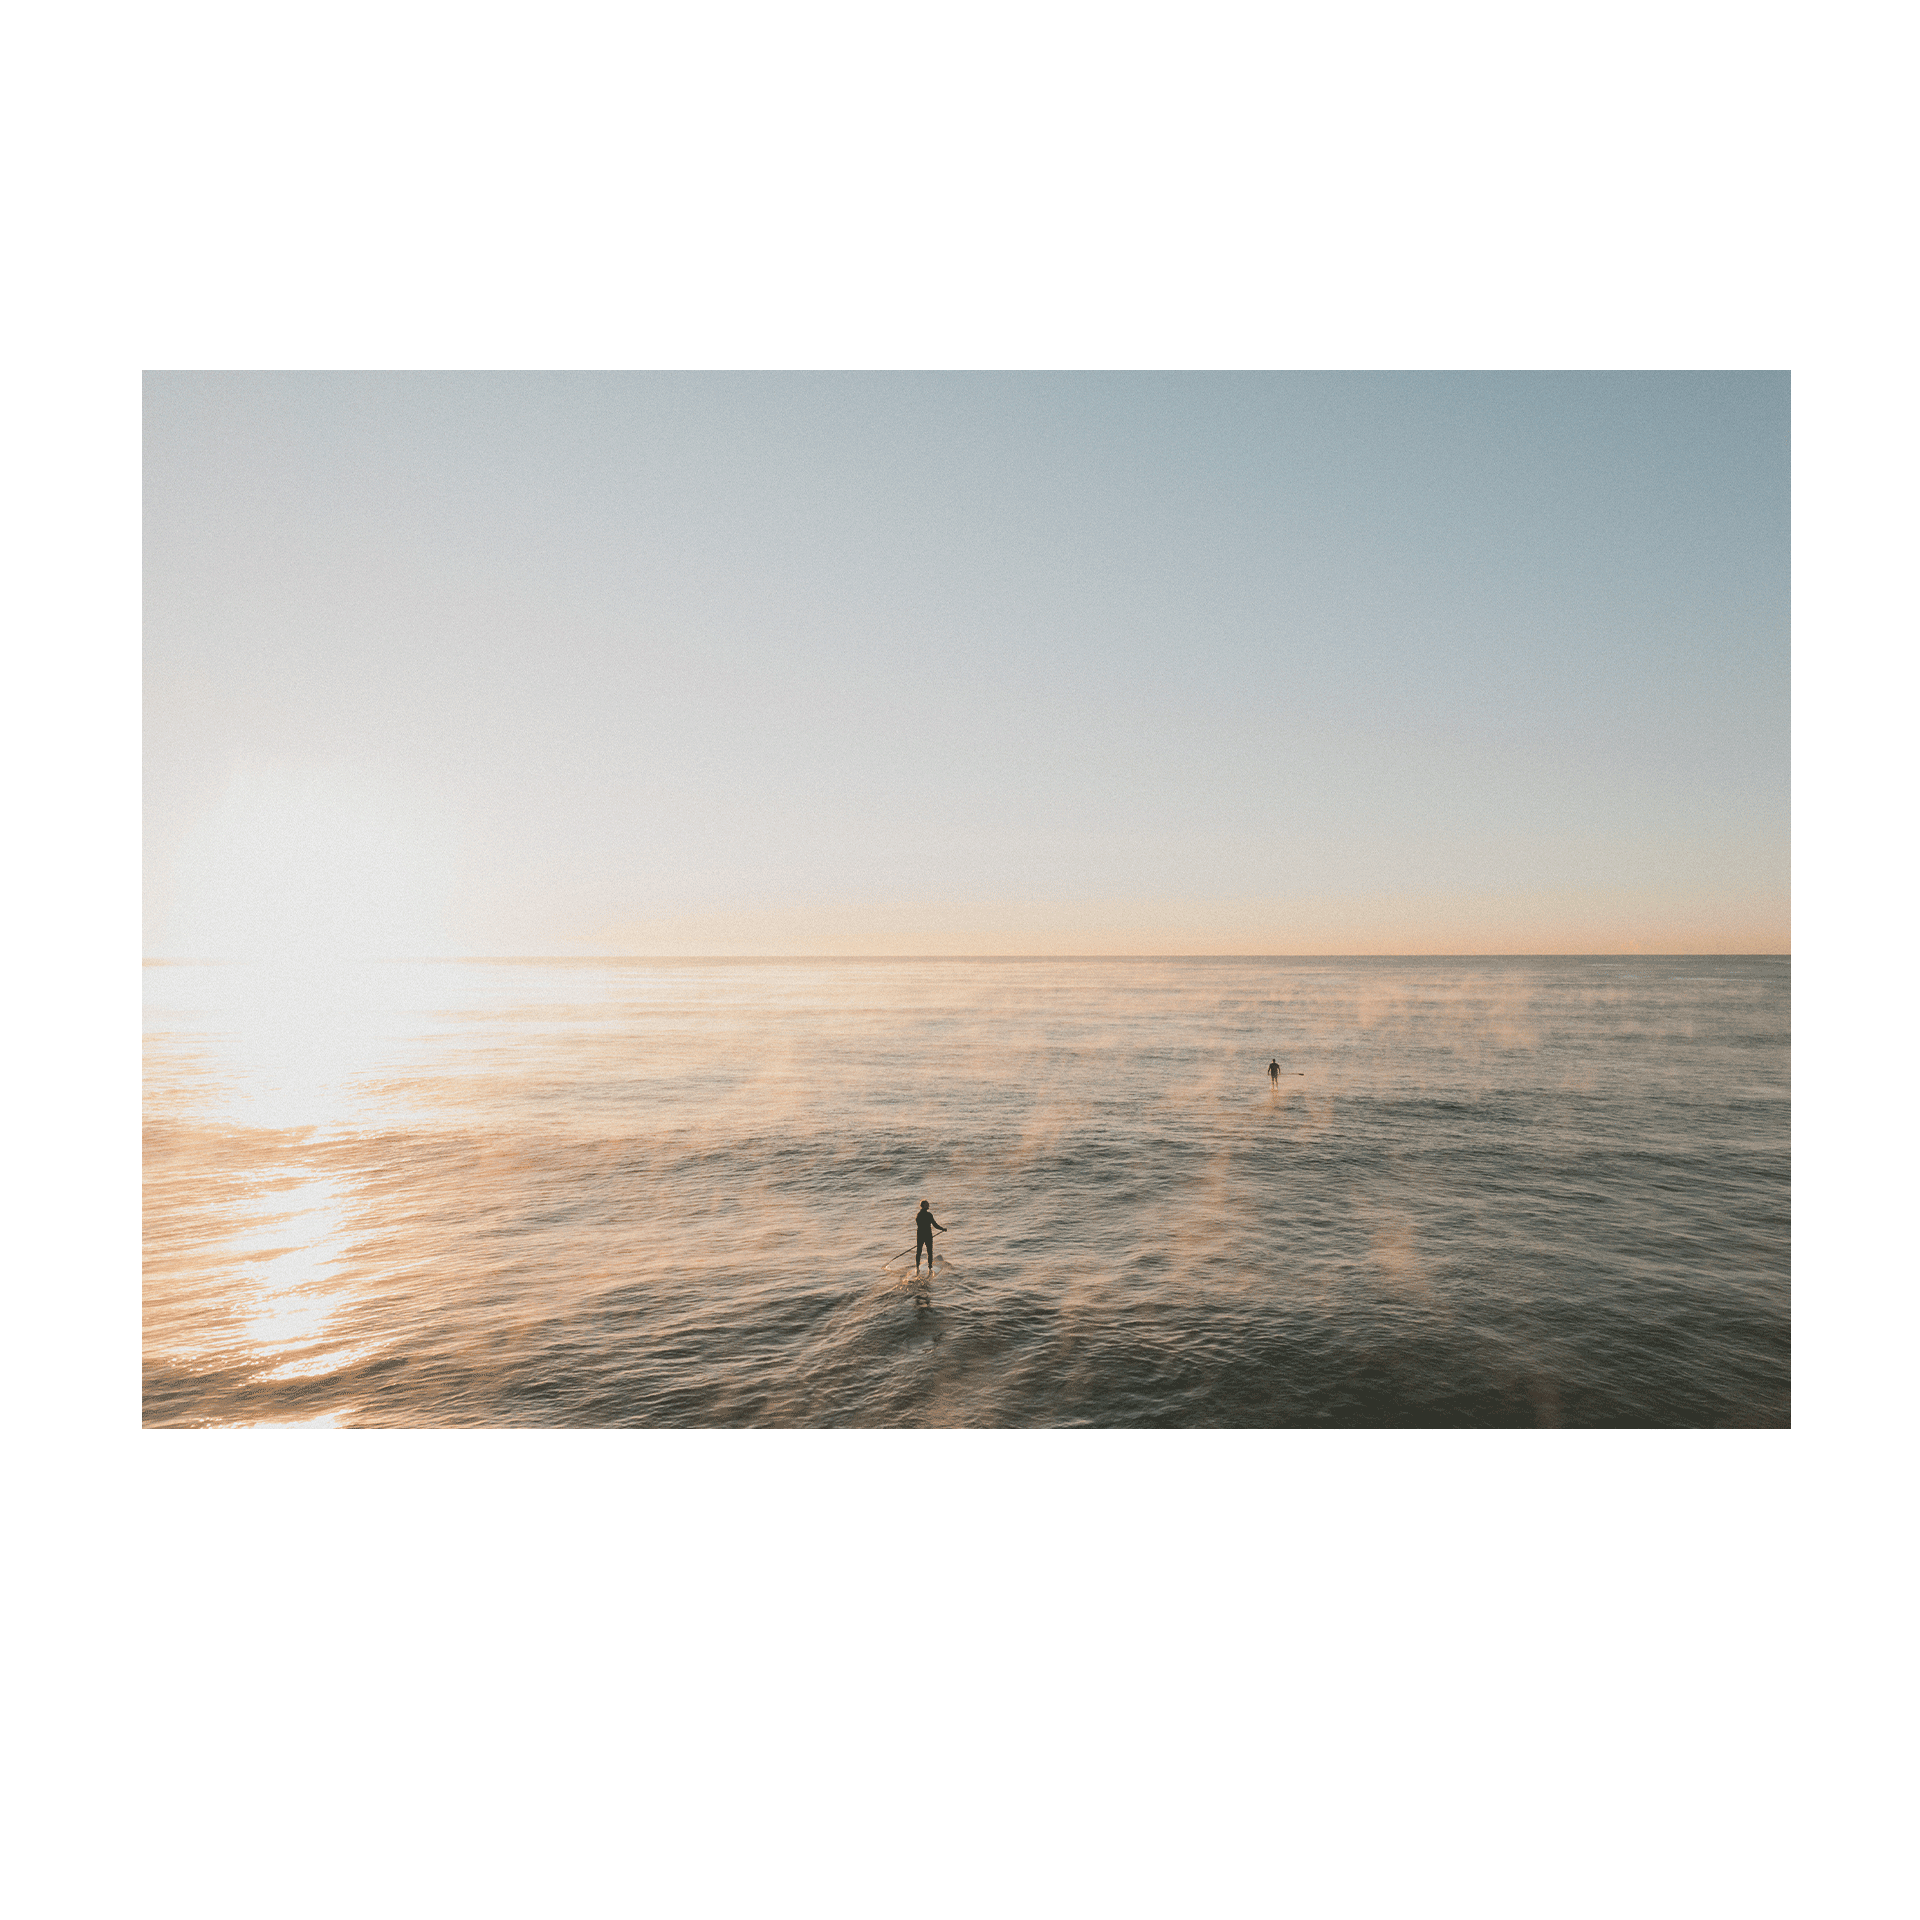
x=925, y=1226
x=1273, y=1072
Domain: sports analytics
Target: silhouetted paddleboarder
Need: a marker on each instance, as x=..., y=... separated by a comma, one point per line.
x=1273, y=1072
x=925, y=1226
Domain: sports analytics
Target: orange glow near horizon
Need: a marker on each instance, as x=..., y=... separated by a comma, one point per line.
x=1029, y=929
x=1568, y=923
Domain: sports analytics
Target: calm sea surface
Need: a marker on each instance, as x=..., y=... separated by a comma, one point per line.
x=592, y=1193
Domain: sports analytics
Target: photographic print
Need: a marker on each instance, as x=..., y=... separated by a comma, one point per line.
x=966, y=900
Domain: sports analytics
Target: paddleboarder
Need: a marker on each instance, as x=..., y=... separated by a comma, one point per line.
x=925, y=1226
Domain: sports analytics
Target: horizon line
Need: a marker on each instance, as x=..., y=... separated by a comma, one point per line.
x=549, y=959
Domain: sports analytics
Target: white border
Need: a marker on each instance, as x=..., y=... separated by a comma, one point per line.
x=708, y=1673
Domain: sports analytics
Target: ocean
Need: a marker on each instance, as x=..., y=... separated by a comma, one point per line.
x=613, y=1193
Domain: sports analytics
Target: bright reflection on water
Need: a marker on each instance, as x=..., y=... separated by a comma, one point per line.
x=625, y=1193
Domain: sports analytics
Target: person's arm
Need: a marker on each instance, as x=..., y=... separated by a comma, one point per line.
x=937, y=1227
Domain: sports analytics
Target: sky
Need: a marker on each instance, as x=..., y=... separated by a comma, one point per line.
x=993, y=663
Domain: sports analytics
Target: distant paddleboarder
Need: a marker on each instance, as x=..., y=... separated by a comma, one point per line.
x=1273, y=1072
x=925, y=1226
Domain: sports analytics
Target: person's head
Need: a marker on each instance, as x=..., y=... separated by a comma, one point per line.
x=924, y=1205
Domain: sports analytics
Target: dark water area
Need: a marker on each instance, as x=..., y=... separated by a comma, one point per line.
x=1487, y=1192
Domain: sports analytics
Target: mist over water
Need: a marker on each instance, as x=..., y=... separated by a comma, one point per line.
x=611, y=1193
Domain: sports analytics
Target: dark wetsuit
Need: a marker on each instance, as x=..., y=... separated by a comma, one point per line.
x=925, y=1226
x=1273, y=1071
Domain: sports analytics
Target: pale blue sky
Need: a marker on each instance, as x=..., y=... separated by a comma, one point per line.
x=629, y=663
